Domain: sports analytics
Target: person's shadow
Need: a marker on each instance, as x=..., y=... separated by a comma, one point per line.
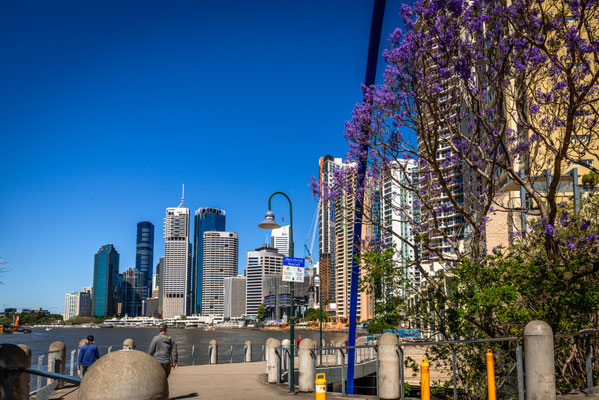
x=185, y=396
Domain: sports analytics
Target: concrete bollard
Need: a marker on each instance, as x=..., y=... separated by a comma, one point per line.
x=56, y=359
x=213, y=352
x=388, y=367
x=24, y=379
x=128, y=344
x=120, y=375
x=81, y=343
x=272, y=359
x=539, y=363
x=306, y=366
x=12, y=383
x=371, y=350
x=248, y=351
x=286, y=344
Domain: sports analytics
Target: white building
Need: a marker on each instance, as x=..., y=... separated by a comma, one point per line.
x=265, y=260
x=78, y=304
x=220, y=261
x=235, y=297
x=177, y=262
x=279, y=239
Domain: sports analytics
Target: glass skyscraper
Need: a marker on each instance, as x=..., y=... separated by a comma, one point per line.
x=206, y=220
x=144, y=256
x=132, y=288
x=106, y=290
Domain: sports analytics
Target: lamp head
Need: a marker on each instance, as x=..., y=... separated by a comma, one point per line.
x=269, y=221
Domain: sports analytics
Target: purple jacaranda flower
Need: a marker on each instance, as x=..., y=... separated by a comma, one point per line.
x=549, y=230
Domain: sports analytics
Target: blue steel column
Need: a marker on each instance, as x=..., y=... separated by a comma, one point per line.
x=373, y=52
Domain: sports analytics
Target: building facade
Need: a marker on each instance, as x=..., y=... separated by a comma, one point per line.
x=279, y=239
x=78, y=304
x=176, y=277
x=234, y=297
x=133, y=287
x=144, y=254
x=105, y=289
x=263, y=261
x=220, y=261
x=206, y=219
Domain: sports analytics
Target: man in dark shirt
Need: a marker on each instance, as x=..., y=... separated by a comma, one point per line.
x=88, y=353
x=164, y=349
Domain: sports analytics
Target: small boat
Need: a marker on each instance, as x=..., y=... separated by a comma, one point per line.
x=48, y=329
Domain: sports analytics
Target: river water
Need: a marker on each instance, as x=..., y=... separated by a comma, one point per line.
x=39, y=341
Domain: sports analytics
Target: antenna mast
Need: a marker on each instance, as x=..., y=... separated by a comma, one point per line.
x=182, y=196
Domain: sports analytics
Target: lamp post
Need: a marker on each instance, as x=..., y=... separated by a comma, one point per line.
x=320, y=309
x=270, y=223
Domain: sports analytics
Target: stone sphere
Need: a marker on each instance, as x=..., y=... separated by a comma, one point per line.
x=125, y=375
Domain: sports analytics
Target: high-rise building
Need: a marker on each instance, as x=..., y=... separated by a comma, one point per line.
x=144, y=254
x=70, y=305
x=235, y=297
x=326, y=227
x=263, y=261
x=220, y=261
x=206, y=220
x=176, y=280
x=78, y=304
x=279, y=239
x=159, y=280
x=133, y=286
x=105, y=289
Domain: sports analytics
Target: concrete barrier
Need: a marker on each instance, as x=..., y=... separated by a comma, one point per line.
x=306, y=366
x=248, y=351
x=128, y=344
x=12, y=382
x=539, y=361
x=124, y=375
x=272, y=359
x=389, y=385
x=57, y=355
x=213, y=352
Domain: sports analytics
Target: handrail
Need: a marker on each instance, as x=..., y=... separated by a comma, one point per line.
x=47, y=374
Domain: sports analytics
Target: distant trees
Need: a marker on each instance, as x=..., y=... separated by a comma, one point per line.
x=261, y=313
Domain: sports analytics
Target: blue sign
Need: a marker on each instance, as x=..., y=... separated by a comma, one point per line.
x=294, y=262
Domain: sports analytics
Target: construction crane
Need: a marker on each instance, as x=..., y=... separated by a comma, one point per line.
x=313, y=229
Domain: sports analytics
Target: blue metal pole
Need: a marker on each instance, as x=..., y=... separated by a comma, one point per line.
x=376, y=28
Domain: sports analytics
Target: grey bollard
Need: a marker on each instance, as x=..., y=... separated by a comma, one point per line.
x=12, y=383
x=213, y=352
x=371, y=350
x=539, y=363
x=56, y=359
x=124, y=375
x=286, y=344
x=306, y=366
x=248, y=351
x=272, y=359
x=388, y=367
x=81, y=343
x=128, y=344
x=24, y=379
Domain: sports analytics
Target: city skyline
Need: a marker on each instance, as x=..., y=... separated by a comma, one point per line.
x=99, y=113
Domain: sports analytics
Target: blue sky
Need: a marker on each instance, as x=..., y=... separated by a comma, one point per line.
x=107, y=107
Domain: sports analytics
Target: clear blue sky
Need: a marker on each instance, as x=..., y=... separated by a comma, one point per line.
x=107, y=107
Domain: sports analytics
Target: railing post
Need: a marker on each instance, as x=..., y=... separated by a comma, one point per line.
x=193, y=354
x=388, y=367
x=401, y=374
x=343, y=385
x=454, y=373
x=263, y=351
x=213, y=352
x=539, y=362
x=109, y=350
x=248, y=351
x=589, y=364
x=306, y=368
x=520, y=368
x=72, y=368
x=231, y=359
x=279, y=363
x=40, y=363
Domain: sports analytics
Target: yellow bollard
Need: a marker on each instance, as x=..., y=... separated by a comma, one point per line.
x=490, y=374
x=321, y=387
x=425, y=380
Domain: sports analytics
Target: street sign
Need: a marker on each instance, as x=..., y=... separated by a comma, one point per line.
x=293, y=269
x=294, y=262
x=293, y=274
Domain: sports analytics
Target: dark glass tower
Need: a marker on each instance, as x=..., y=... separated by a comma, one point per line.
x=132, y=288
x=206, y=219
x=106, y=288
x=144, y=256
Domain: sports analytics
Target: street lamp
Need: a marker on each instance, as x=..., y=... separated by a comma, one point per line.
x=270, y=223
x=311, y=289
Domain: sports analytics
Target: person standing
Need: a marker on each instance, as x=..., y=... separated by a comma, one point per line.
x=164, y=349
x=87, y=355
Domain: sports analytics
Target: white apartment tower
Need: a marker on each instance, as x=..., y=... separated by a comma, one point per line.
x=220, y=261
x=263, y=261
x=78, y=304
x=177, y=262
x=235, y=297
x=279, y=239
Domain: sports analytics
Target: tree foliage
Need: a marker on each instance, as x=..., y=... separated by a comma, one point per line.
x=261, y=313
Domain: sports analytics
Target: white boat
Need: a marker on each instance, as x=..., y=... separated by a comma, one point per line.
x=48, y=329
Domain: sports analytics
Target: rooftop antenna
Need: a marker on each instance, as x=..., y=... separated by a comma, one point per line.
x=182, y=196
